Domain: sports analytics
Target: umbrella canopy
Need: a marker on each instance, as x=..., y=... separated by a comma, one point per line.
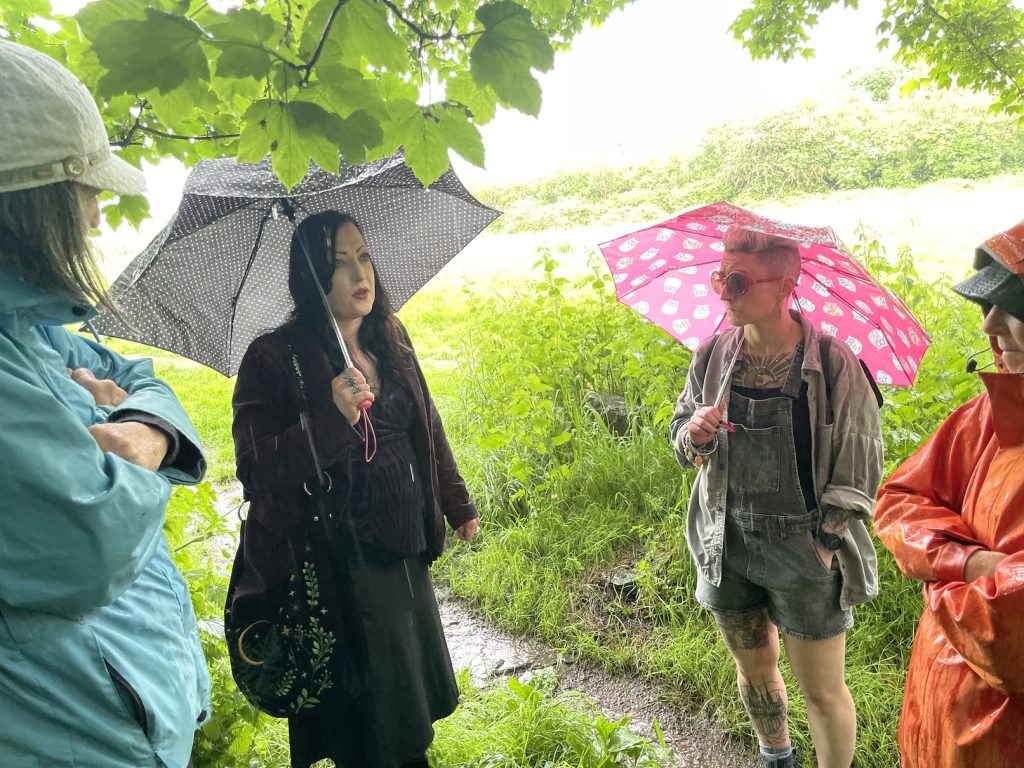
x=664, y=273
x=216, y=277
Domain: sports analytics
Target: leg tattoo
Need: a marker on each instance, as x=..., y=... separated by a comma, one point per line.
x=743, y=631
x=767, y=709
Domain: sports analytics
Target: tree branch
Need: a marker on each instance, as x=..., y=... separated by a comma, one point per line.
x=127, y=137
x=971, y=42
x=323, y=40
x=203, y=137
x=423, y=35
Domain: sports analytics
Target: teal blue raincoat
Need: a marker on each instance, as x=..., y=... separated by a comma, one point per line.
x=100, y=661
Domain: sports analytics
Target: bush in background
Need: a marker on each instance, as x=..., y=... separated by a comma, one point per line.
x=861, y=138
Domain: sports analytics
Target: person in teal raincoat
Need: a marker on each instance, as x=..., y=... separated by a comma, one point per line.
x=100, y=661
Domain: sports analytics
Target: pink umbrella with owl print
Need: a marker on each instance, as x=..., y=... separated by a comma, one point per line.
x=664, y=273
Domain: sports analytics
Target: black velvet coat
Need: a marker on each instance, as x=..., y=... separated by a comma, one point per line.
x=273, y=454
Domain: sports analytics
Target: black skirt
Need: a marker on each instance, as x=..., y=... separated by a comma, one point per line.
x=409, y=679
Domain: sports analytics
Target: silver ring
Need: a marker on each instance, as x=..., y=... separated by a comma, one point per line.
x=330, y=484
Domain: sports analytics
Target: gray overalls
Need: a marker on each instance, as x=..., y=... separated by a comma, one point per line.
x=770, y=559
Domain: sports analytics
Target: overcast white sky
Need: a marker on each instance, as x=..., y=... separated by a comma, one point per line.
x=650, y=81
x=655, y=77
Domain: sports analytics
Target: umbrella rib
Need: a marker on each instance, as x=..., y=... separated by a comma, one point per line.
x=241, y=283
x=240, y=204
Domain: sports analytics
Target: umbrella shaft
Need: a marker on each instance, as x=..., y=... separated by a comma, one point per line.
x=327, y=306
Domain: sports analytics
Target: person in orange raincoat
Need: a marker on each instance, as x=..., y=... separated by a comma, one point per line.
x=953, y=516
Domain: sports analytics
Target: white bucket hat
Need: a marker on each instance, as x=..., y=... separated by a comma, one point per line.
x=52, y=130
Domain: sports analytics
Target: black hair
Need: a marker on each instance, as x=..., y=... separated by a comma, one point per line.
x=380, y=333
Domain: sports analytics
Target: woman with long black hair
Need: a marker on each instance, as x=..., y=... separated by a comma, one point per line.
x=297, y=425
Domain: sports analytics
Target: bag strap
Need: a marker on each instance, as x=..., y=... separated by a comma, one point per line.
x=824, y=349
x=307, y=427
x=824, y=345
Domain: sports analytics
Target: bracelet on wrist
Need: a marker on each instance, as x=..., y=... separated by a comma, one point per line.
x=692, y=451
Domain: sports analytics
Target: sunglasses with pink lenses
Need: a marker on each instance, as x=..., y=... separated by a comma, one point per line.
x=737, y=283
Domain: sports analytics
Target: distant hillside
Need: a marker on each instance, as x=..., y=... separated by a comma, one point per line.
x=863, y=137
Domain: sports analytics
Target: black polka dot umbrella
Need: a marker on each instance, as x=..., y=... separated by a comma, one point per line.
x=216, y=277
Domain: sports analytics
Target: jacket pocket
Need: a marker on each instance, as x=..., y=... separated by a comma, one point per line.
x=129, y=698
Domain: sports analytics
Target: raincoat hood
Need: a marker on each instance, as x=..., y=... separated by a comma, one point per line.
x=1007, y=248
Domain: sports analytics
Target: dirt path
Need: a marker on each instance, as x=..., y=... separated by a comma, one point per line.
x=492, y=654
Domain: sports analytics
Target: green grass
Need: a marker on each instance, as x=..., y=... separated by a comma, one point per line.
x=525, y=725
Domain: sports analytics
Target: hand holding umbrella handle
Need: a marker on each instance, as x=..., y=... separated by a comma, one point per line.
x=345, y=388
x=352, y=394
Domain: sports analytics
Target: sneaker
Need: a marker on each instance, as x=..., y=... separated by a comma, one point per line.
x=789, y=761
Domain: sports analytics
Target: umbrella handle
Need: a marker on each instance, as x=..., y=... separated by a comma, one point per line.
x=369, y=433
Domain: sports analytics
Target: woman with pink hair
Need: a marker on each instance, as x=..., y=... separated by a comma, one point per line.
x=790, y=458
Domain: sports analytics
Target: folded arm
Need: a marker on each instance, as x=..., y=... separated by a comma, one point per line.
x=78, y=524
x=917, y=513
x=984, y=619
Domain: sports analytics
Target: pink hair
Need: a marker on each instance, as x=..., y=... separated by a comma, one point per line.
x=780, y=253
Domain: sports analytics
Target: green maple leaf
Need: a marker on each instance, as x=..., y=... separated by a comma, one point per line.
x=177, y=105
x=344, y=90
x=255, y=140
x=356, y=136
x=461, y=135
x=426, y=151
x=294, y=134
x=554, y=9
x=94, y=16
x=504, y=55
x=236, y=61
x=245, y=25
x=395, y=89
x=481, y=101
x=361, y=31
x=131, y=209
x=160, y=52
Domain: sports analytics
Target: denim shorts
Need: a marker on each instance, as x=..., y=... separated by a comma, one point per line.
x=771, y=562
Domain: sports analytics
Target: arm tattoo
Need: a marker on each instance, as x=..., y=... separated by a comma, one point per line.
x=743, y=631
x=836, y=519
x=767, y=709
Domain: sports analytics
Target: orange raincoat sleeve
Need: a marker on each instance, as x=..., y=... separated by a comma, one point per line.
x=984, y=622
x=918, y=518
x=917, y=510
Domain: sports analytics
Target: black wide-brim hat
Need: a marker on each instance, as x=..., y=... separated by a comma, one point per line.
x=994, y=284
